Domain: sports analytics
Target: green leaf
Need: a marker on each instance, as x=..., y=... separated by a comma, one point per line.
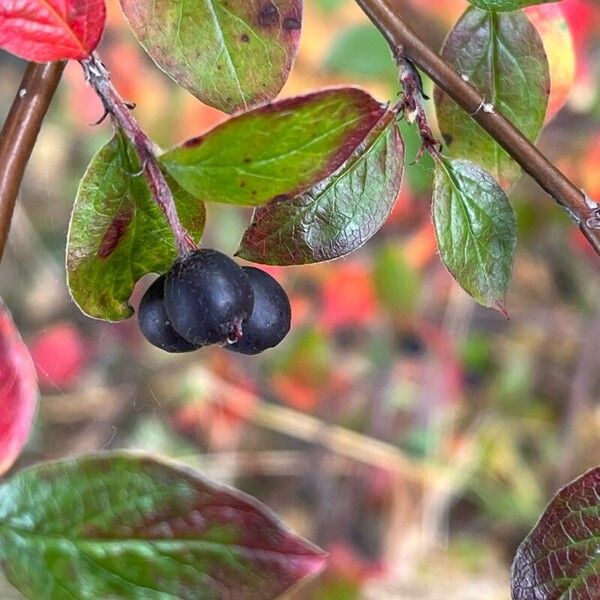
x=127, y=526
x=418, y=171
x=330, y=6
x=118, y=234
x=503, y=56
x=337, y=215
x=280, y=149
x=231, y=54
x=560, y=558
x=374, y=59
x=507, y=5
x=397, y=284
x=475, y=229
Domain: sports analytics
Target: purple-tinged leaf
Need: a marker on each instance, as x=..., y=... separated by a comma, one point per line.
x=121, y=525
x=337, y=215
x=560, y=558
x=280, y=149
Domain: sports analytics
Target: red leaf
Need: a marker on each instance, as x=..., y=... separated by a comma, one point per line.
x=18, y=391
x=60, y=355
x=46, y=30
x=349, y=297
x=346, y=563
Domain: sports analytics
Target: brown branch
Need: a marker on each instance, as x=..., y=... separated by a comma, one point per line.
x=405, y=42
x=20, y=132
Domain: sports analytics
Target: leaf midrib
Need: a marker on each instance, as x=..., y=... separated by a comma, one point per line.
x=210, y=4
x=494, y=66
x=202, y=165
x=78, y=541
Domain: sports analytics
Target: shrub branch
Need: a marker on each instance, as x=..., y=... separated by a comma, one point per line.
x=404, y=42
x=20, y=132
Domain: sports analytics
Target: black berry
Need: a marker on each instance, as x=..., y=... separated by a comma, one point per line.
x=207, y=297
x=154, y=321
x=269, y=321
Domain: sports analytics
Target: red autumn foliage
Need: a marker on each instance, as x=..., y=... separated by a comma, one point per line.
x=18, y=391
x=48, y=30
x=60, y=355
x=348, y=297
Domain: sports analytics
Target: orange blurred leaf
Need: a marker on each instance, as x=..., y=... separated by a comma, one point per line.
x=550, y=22
x=349, y=297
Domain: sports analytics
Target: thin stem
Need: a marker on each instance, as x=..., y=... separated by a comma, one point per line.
x=412, y=106
x=20, y=132
x=98, y=77
x=405, y=42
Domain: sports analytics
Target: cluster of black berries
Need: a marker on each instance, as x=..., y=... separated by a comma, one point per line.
x=206, y=298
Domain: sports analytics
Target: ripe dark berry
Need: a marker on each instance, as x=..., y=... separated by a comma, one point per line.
x=207, y=296
x=269, y=321
x=154, y=322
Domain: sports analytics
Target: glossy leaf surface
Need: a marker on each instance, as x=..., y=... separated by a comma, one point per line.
x=503, y=56
x=475, y=229
x=337, y=215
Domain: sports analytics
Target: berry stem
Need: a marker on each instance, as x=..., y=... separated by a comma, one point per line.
x=120, y=111
x=20, y=132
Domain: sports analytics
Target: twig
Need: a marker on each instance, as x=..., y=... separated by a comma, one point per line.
x=411, y=104
x=265, y=463
x=300, y=426
x=20, y=132
x=98, y=77
x=406, y=43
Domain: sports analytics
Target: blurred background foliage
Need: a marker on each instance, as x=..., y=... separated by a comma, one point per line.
x=409, y=432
